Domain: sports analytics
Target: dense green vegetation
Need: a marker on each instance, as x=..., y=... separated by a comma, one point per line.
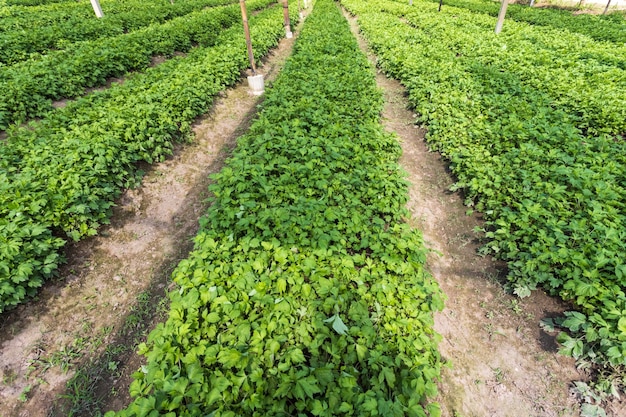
x=30, y=87
x=33, y=2
x=305, y=293
x=549, y=179
x=610, y=27
x=59, y=177
x=585, y=78
x=57, y=14
x=37, y=34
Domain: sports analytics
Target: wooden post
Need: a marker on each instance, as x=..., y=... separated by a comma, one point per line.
x=501, y=15
x=287, y=22
x=606, y=9
x=97, y=9
x=246, y=31
x=440, y=4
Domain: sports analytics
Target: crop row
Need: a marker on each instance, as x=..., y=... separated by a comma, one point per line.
x=58, y=178
x=35, y=37
x=610, y=27
x=305, y=293
x=17, y=16
x=29, y=88
x=33, y=2
x=51, y=14
x=579, y=44
x=553, y=197
x=585, y=78
x=558, y=38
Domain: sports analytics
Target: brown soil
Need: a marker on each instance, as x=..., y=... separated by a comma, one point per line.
x=95, y=298
x=500, y=363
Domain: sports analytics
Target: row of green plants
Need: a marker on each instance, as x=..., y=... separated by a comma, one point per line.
x=50, y=14
x=580, y=45
x=585, y=78
x=611, y=27
x=29, y=88
x=59, y=177
x=306, y=293
x=34, y=37
x=33, y=2
x=553, y=197
x=16, y=16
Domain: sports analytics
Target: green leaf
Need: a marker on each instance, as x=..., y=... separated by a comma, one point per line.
x=338, y=324
x=592, y=410
x=213, y=317
x=297, y=356
x=621, y=325
x=229, y=357
x=345, y=407
x=522, y=291
x=306, y=386
x=386, y=374
x=361, y=351
x=195, y=373
x=214, y=395
x=574, y=320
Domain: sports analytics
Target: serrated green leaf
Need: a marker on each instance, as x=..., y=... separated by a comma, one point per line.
x=306, y=386
x=297, y=356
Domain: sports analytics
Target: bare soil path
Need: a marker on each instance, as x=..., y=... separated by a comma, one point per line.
x=110, y=278
x=501, y=364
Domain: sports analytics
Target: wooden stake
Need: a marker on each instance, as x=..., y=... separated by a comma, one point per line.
x=501, y=15
x=286, y=15
x=246, y=31
x=440, y=4
x=97, y=9
x=606, y=9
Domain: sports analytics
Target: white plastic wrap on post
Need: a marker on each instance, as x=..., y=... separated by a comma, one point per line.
x=256, y=84
x=288, y=33
x=97, y=9
x=301, y=16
